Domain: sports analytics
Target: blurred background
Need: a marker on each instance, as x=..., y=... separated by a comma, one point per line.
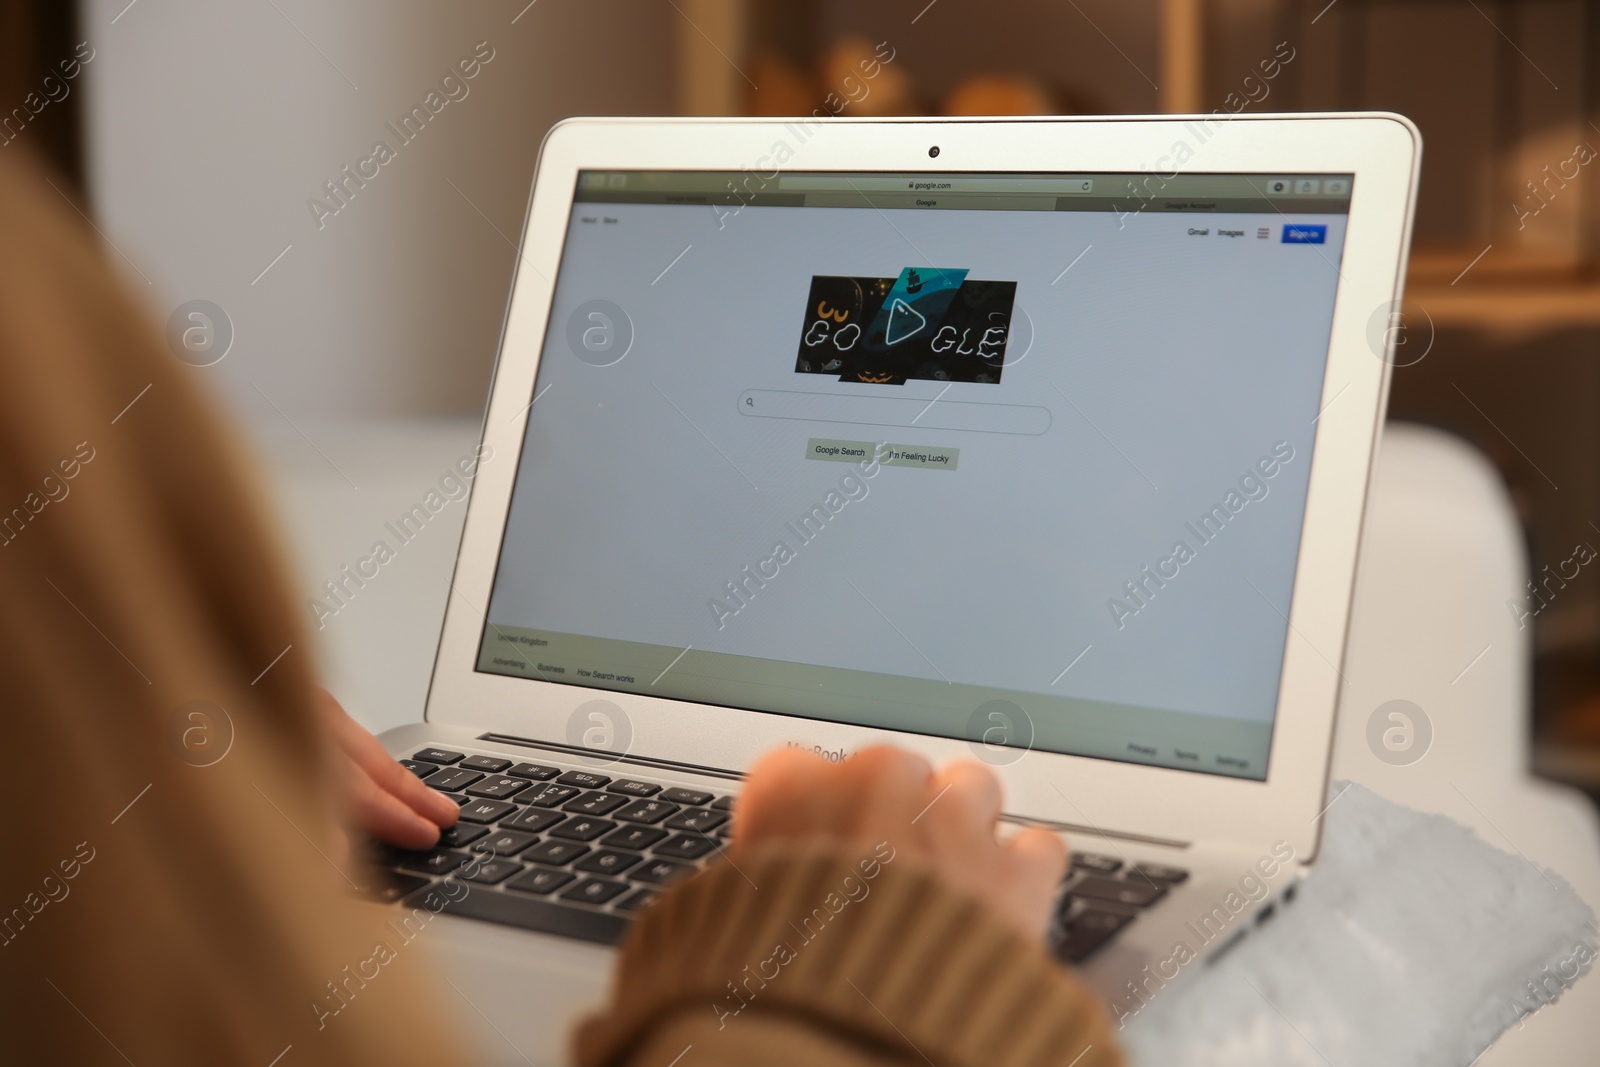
x=201, y=136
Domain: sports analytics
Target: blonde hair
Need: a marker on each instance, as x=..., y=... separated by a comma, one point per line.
x=179, y=908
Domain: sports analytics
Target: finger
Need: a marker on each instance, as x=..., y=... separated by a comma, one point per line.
x=886, y=788
x=406, y=787
x=1036, y=861
x=383, y=815
x=337, y=720
x=783, y=796
x=968, y=798
x=368, y=753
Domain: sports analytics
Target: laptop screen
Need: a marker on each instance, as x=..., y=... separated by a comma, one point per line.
x=1016, y=458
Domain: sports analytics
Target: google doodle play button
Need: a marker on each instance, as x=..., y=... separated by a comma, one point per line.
x=900, y=327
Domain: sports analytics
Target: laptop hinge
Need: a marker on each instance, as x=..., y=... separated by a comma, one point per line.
x=609, y=757
x=734, y=776
x=1095, y=831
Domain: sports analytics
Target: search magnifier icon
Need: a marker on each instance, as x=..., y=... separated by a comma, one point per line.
x=749, y=401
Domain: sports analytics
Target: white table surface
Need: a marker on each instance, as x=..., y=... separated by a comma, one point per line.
x=1442, y=556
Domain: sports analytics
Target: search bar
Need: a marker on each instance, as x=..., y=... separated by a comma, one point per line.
x=912, y=412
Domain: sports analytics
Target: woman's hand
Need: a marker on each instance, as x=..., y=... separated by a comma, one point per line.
x=943, y=819
x=382, y=797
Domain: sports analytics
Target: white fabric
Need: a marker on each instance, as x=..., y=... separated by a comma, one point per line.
x=1412, y=942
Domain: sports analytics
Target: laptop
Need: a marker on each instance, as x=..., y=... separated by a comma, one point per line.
x=1040, y=442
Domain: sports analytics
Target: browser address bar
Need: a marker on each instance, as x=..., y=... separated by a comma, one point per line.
x=809, y=183
x=910, y=412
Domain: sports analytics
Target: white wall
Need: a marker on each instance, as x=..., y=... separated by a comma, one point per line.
x=210, y=125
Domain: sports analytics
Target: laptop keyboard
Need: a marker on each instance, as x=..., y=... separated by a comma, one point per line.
x=566, y=852
x=578, y=853
x=1100, y=896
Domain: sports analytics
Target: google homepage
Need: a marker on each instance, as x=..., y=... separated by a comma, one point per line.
x=1015, y=455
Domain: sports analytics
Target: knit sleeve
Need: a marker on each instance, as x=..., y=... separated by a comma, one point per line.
x=839, y=955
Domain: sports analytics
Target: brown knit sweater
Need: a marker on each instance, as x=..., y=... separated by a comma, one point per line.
x=158, y=909
x=838, y=955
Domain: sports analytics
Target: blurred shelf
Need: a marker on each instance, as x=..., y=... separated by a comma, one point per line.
x=1503, y=288
x=1508, y=306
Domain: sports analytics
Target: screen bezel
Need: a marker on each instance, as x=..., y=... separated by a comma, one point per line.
x=1382, y=151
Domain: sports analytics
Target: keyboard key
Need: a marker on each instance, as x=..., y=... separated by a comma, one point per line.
x=700, y=820
x=1091, y=861
x=607, y=861
x=582, y=828
x=492, y=764
x=584, y=779
x=1156, y=872
x=659, y=872
x=505, y=843
x=686, y=796
x=452, y=780
x=527, y=910
x=532, y=820
x=537, y=771
x=723, y=803
x=486, y=810
x=461, y=834
x=686, y=847
x=540, y=880
x=595, y=804
x=594, y=891
x=490, y=872
x=633, y=788
x=647, y=811
x=638, y=838
x=461, y=799
x=437, y=755
x=1139, y=894
x=637, y=899
x=1087, y=931
x=433, y=861
x=418, y=767
x=555, y=853
x=498, y=788
x=548, y=796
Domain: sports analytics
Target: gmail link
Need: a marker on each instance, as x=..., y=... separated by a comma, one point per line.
x=924, y=413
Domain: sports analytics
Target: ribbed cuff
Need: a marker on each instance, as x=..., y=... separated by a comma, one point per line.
x=863, y=943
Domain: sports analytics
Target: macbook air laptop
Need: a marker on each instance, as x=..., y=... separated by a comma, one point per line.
x=1039, y=442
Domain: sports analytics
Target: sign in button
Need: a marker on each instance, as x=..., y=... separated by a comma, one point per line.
x=1304, y=233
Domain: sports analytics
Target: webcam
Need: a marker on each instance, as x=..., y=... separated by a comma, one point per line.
x=934, y=151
